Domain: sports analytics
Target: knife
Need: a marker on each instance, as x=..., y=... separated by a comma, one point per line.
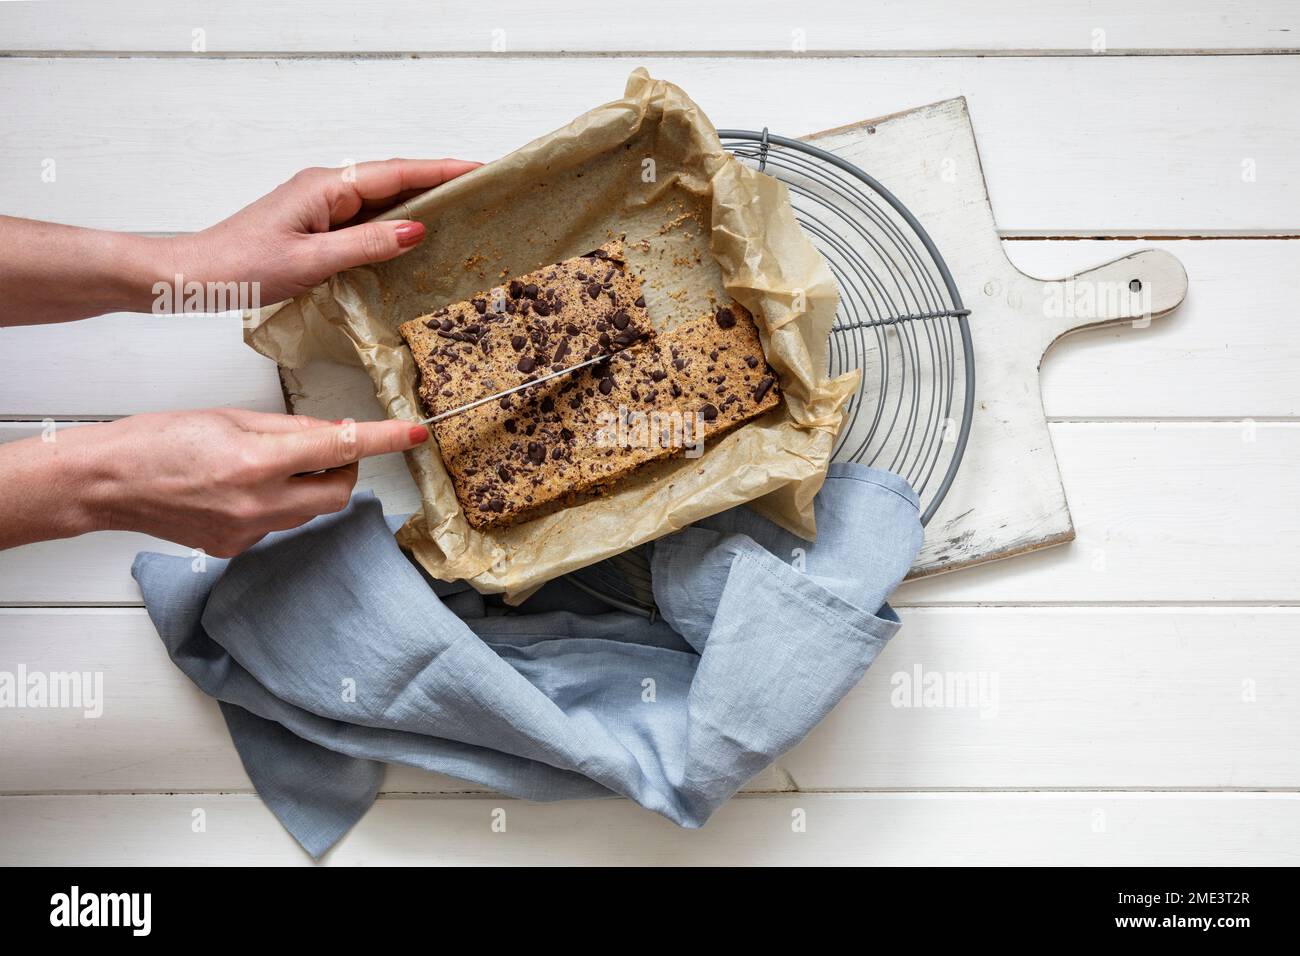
x=433, y=420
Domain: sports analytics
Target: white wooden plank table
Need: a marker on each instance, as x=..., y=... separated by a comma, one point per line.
x=1132, y=694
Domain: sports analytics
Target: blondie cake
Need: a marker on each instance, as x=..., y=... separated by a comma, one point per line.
x=653, y=397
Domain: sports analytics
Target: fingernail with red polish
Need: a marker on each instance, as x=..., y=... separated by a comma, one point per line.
x=418, y=434
x=409, y=233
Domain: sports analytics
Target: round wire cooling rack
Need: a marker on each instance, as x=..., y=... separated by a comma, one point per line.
x=900, y=321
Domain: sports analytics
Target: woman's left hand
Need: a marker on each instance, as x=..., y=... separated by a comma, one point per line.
x=307, y=229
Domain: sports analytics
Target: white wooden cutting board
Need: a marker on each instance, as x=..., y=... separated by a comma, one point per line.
x=1007, y=498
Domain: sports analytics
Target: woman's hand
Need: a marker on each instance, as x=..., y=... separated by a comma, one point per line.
x=296, y=236
x=306, y=230
x=218, y=480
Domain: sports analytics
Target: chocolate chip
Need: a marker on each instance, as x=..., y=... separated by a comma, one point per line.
x=516, y=288
x=636, y=394
x=548, y=405
x=571, y=329
x=679, y=364
x=530, y=290
x=619, y=319
x=510, y=425
x=658, y=375
x=504, y=473
x=677, y=390
x=557, y=453
x=494, y=504
x=751, y=361
x=604, y=339
x=542, y=307
x=432, y=324
x=506, y=401
x=561, y=350
x=536, y=452
x=725, y=318
x=763, y=388
x=449, y=335
x=447, y=325
x=566, y=434
x=518, y=342
x=606, y=385
x=526, y=364
x=593, y=290
x=709, y=411
x=480, y=306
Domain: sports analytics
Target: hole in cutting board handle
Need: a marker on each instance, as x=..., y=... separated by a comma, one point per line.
x=1135, y=285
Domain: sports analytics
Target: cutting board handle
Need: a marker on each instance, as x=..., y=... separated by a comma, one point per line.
x=1134, y=289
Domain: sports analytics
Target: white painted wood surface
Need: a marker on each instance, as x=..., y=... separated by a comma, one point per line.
x=566, y=26
x=1146, y=671
x=184, y=142
x=877, y=829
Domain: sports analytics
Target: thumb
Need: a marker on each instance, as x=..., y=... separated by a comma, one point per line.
x=366, y=243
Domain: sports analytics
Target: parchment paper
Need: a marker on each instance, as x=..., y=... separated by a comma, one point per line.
x=702, y=226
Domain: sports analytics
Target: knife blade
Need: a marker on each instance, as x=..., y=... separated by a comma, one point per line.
x=496, y=396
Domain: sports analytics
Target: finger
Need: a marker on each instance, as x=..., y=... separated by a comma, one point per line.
x=389, y=178
x=370, y=208
x=271, y=422
x=320, y=494
x=314, y=449
x=369, y=242
x=373, y=207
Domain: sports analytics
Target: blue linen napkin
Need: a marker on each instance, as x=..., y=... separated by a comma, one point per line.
x=333, y=655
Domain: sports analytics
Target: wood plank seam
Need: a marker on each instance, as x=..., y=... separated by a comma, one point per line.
x=472, y=54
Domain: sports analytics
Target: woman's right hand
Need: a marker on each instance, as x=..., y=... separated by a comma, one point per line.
x=217, y=480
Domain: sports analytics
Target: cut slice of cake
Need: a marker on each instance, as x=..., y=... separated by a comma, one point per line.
x=544, y=321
